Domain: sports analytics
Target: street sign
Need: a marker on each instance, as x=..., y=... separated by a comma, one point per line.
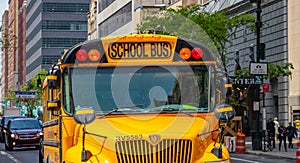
x=266, y=87
x=255, y=106
x=246, y=81
x=260, y=68
x=19, y=94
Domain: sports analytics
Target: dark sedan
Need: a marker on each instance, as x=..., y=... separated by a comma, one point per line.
x=3, y=125
x=23, y=132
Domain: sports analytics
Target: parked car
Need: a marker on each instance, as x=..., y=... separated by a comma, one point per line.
x=23, y=132
x=3, y=125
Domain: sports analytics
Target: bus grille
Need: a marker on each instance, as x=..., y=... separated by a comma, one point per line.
x=166, y=151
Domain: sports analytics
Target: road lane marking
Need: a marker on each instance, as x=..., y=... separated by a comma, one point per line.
x=239, y=159
x=10, y=157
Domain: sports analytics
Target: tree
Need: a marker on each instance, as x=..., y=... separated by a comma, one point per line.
x=215, y=30
x=30, y=103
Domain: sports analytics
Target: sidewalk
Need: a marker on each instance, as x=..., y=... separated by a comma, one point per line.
x=291, y=152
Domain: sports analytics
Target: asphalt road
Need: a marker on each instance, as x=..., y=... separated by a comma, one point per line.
x=252, y=158
x=30, y=155
x=19, y=155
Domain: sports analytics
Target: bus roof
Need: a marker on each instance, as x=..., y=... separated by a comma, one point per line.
x=138, y=47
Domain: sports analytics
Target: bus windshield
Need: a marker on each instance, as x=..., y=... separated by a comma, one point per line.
x=142, y=88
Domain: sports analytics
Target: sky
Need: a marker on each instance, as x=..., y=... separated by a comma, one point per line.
x=3, y=7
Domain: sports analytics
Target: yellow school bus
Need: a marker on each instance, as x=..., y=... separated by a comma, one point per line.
x=138, y=98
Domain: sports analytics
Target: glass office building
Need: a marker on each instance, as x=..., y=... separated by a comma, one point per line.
x=51, y=27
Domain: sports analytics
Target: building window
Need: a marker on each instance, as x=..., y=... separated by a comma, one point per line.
x=202, y=2
x=60, y=42
x=104, y=4
x=173, y=1
x=115, y=21
x=65, y=7
x=64, y=25
x=50, y=59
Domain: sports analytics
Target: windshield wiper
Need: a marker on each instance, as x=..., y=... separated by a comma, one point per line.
x=120, y=109
x=168, y=108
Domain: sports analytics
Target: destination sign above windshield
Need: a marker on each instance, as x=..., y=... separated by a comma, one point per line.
x=139, y=50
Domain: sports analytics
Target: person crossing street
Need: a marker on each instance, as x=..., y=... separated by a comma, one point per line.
x=291, y=133
x=282, y=132
x=271, y=131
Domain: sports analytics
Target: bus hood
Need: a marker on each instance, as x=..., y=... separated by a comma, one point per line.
x=175, y=124
x=152, y=130
x=172, y=136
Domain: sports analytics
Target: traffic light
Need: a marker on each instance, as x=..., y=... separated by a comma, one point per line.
x=262, y=51
x=39, y=82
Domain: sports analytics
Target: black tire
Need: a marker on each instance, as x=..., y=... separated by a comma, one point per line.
x=41, y=153
x=8, y=146
x=2, y=138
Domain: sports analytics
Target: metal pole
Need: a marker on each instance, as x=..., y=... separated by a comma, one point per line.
x=257, y=142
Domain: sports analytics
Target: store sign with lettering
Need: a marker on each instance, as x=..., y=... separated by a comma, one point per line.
x=246, y=81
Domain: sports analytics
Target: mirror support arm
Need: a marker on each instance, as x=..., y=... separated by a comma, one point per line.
x=83, y=153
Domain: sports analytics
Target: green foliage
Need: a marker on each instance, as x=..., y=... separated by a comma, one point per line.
x=242, y=73
x=31, y=103
x=275, y=70
x=215, y=30
x=238, y=100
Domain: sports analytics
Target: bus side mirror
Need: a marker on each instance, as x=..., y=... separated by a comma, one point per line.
x=224, y=112
x=54, y=78
x=53, y=82
x=53, y=105
x=84, y=116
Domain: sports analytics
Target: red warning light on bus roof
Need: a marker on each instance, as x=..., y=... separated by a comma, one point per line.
x=81, y=55
x=197, y=53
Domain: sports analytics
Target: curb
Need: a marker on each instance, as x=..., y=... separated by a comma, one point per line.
x=268, y=154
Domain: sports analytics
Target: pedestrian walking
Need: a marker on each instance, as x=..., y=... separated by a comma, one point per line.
x=271, y=131
x=276, y=127
x=291, y=133
x=282, y=132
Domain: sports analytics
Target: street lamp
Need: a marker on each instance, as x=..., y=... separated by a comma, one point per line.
x=257, y=137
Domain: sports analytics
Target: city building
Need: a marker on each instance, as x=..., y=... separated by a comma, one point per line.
x=4, y=49
x=12, y=49
x=116, y=17
x=51, y=27
x=293, y=57
x=92, y=20
x=21, y=46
